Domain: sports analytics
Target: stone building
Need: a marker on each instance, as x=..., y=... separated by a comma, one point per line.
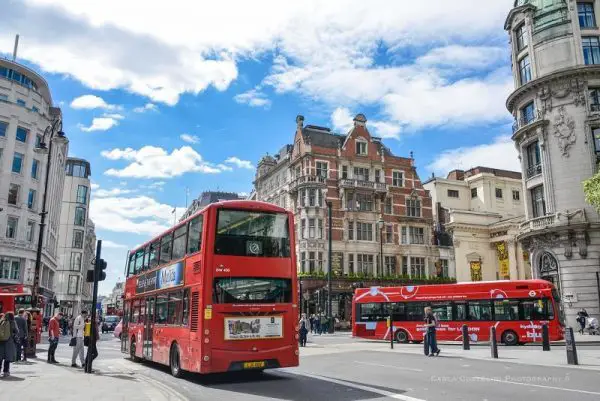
x=26, y=110
x=205, y=199
x=77, y=238
x=478, y=212
x=555, y=47
x=380, y=212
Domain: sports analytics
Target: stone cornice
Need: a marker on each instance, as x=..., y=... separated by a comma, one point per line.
x=566, y=73
x=514, y=12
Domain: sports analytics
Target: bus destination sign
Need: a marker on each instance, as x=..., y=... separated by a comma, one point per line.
x=166, y=277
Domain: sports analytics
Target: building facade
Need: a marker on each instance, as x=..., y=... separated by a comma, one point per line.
x=381, y=215
x=25, y=112
x=556, y=105
x=77, y=239
x=478, y=213
x=205, y=199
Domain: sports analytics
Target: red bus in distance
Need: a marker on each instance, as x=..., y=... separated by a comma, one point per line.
x=15, y=297
x=516, y=308
x=215, y=293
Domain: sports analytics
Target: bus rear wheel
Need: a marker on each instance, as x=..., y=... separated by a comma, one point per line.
x=174, y=361
x=401, y=336
x=509, y=337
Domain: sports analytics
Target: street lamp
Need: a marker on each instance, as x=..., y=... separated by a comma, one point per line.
x=329, y=256
x=381, y=224
x=45, y=146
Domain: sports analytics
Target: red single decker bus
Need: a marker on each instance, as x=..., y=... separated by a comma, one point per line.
x=516, y=308
x=215, y=293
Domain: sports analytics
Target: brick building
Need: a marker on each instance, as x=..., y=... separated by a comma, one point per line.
x=379, y=207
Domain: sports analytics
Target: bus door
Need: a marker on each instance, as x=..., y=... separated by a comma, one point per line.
x=149, y=327
x=125, y=328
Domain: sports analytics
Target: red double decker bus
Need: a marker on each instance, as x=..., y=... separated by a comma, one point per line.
x=516, y=308
x=215, y=293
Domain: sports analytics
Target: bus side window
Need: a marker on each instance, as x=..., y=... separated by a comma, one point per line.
x=549, y=309
x=479, y=310
x=179, y=243
x=162, y=302
x=415, y=311
x=139, y=260
x=154, y=251
x=131, y=270
x=399, y=311
x=460, y=311
x=165, y=248
x=146, y=264
x=506, y=309
x=195, y=235
x=533, y=309
x=442, y=310
x=186, y=307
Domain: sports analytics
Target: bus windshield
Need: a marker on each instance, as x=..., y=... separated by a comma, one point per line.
x=245, y=233
x=256, y=290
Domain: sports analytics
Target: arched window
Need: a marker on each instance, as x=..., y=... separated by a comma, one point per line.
x=549, y=269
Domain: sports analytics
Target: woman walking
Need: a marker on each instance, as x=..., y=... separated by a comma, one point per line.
x=304, y=326
x=8, y=342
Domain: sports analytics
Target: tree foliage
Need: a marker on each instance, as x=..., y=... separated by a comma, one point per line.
x=591, y=189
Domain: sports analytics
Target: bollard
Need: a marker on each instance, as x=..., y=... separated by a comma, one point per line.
x=570, y=346
x=545, y=338
x=493, y=342
x=391, y=325
x=465, y=336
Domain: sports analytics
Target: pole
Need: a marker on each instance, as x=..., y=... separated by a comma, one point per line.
x=493, y=342
x=301, y=298
x=465, y=337
x=545, y=338
x=38, y=256
x=598, y=286
x=381, y=249
x=329, y=256
x=391, y=328
x=88, y=365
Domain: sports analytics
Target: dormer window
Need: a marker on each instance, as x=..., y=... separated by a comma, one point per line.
x=522, y=39
x=361, y=148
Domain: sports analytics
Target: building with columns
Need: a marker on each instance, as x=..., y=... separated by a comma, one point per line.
x=380, y=213
x=555, y=46
x=26, y=110
x=478, y=212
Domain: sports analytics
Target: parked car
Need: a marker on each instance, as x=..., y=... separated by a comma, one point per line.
x=110, y=323
x=118, y=329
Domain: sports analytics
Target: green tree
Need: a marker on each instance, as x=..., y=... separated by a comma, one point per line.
x=591, y=189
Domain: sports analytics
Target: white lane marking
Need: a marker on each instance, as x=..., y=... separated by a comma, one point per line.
x=537, y=385
x=384, y=393
x=389, y=366
x=172, y=394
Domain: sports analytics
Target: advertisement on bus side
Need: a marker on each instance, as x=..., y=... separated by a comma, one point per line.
x=166, y=277
x=251, y=328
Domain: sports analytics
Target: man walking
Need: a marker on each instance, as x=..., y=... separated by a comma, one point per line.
x=53, y=336
x=78, y=333
x=21, y=322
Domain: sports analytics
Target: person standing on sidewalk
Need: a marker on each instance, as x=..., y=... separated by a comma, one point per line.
x=21, y=321
x=78, y=332
x=431, y=323
x=304, y=326
x=324, y=325
x=92, y=348
x=53, y=336
x=9, y=334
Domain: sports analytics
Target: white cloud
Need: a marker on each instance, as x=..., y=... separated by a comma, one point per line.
x=145, y=108
x=185, y=57
x=465, y=56
x=115, y=116
x=189, y=138
x=343, y=120
x=100, y=124
x=224, y=167
x=253, y=98
x=89, y=102
x=93, y=185
x=500, y=154
x=243, y=194
x=141, y=215
x=113, y=245
x=105, y=193
x=240, y=163
x=155, y=162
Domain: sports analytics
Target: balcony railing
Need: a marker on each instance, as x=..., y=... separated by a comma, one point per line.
x=595, y=107
x=307, y=180
x=360, y=184
x=534, y=170
x=538, y=223
x=526, y=120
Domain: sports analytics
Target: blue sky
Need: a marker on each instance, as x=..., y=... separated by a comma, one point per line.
x=168, y=96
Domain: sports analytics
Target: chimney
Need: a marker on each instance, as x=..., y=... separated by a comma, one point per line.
x=16, y=47
x=360, y=119
x=299, y=121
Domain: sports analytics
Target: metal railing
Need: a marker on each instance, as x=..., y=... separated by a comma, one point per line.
x=534, y=170
x=354, y=183
x=526, y=120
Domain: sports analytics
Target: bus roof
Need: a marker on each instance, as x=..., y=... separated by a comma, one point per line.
x=228, y=204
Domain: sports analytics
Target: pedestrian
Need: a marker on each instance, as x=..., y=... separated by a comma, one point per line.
x=54, y=335
x=582, y=316
x=317, y=324
x=304, y=326
x=92, y=348
x=431, y=323
x=324, y=324
x=21, y=321
x=9, y=334
x=78, y=332
x=311, y=320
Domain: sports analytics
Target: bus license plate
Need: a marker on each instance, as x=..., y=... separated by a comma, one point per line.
x=254, y=365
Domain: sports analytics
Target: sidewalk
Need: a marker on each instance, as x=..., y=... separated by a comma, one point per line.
x=36, y=380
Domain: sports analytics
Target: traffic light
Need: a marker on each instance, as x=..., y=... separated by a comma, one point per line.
x=90, y=276
x=100, y=267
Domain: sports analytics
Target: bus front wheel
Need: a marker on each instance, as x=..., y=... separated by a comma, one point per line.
x=509, y=337
x=401, y=336
x=174, y=361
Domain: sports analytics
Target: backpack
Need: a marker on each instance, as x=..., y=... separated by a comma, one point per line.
x=4, y=330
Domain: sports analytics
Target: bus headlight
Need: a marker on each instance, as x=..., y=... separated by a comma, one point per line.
x=206, y=358
x=206, y=340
